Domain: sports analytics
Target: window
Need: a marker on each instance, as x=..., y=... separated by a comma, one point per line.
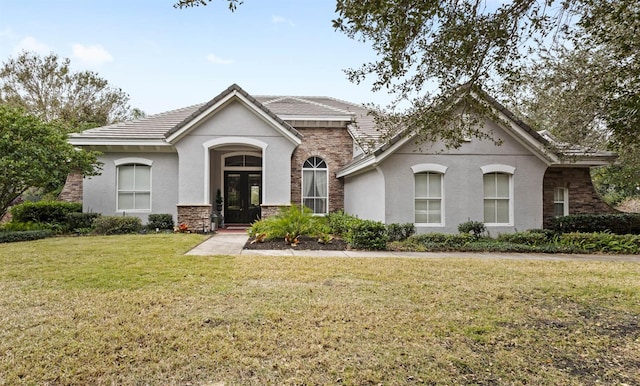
x=560, y=202
x=315, y=181
x=134, y=187
x=497, y=198
x=428, y=198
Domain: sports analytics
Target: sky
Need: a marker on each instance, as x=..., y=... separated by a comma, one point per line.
x=167, y=58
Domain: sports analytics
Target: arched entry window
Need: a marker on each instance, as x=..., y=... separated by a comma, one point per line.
x=315, y=185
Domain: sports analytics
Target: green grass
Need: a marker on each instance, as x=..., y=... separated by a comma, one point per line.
x=134, y=310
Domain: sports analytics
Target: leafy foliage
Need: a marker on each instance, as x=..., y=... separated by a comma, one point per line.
x=340, y=222
x=399, y=232
x=160, y=221
x=35, y=154
x=367, y=234
x=79, y=221
x=602, y=242
x=290, y=223
x=11, y=237
x=47, y=88
x=117, y=225
x=52, y=212
x=476, y=228
x=619, y=223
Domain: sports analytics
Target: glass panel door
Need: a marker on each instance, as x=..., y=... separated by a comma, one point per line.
x=242, y=197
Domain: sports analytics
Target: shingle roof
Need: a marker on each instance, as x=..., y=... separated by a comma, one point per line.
x=281, y=108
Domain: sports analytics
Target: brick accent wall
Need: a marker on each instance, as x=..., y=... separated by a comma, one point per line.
x=583, y=197
x=196, y=217
x=269, y=210
x=72, y=190
x=335, y=146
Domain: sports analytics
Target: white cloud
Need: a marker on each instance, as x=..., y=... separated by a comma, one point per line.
x=281, y=20
x=8, y=33
x=32, y=44
x=216, y=60
x=91, y=55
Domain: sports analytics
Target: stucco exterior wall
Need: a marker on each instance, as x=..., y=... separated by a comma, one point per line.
x=463, y=182
x=99, y=192
x=233, y=126
x=364, y=195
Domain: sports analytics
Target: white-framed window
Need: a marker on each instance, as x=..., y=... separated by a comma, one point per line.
x=133, y=185
x=497, y=197
x=560, y=202
x=428, y=188
x=315, y=185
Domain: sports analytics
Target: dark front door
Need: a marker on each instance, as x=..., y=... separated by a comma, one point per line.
x=242, y=197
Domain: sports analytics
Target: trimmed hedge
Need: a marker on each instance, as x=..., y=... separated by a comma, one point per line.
x=79, y=221
x=11, y=237
x=160, y=221
x=48, y=212
x=399, y=232
x=117, y=225
x=367, y=234
x=618, y=223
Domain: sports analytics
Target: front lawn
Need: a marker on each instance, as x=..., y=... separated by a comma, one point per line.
x=134, y=310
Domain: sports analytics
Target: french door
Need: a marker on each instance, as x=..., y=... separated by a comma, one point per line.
x=242, y=196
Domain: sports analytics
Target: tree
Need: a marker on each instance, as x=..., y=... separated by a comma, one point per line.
x=35, y=154
x=48, y=88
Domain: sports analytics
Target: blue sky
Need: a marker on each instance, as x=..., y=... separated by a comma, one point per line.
x=166, y=58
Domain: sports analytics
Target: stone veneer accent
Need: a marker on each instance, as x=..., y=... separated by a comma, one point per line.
x=269, y=210
x=335, y=146
x=583, y=197
x=72, y=190
x=196, y=217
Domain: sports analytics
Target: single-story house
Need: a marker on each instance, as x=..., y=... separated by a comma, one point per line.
x=259, y=153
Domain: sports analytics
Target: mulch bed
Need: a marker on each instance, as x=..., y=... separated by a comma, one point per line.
x=306, y=243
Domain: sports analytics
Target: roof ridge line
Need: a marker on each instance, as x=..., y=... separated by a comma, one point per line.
x=302, y=99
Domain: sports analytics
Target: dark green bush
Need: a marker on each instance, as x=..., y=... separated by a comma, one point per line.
x=11, y=237
x=78, y=221
x=475, y=228
x=367, y=234
x=524, y=238
x=46, y=212
x=160, y=221
x=117, y=225
x=442, y=241
x=399, y=232
x=617, y=223
x=340, y=222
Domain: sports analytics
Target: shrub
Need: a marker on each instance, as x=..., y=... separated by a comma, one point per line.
x=291, y=222
x=441, y=241
x=160, y=221
x=601, y=242
x=476, y=228
x=117, y=225
x=618, y=223
x=399, y=232
x=14, y=226
x=81, y=221
x=367, y=234
x=524, y=238
x=10, y=237
x=46, y=212
x=340, y=222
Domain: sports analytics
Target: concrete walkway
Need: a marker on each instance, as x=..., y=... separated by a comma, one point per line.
x=232, y=243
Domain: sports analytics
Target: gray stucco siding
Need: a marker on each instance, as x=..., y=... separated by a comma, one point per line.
x=233, y=127
x=463, y=197
x=364, y=195
x=100, y=192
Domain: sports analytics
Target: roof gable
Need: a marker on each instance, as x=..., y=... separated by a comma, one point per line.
x=233, y=93
x=538, y=144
